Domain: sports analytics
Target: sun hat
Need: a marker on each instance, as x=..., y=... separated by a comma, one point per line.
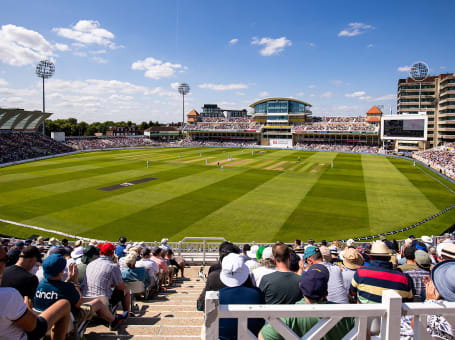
x=350, y=242
x=234, y=272
x=448, y=250
x=53, y=265
x=310, y=251
x=408, y=242
x=59, y=250
x=93, y=242
x=443, y=276
x=378, y=248
x=267, y=253
x=90, y=252
x=31, y=252
x=252, y=252
x=314, y=282
x=325, y=252
x=422, y=259
x=77, y=252
x=352, y=259
x=53, y=241
x=427, y=239
x=40, y=240
x=106, y=248
x=78, y=243
x=130, y=259
x=164, y=240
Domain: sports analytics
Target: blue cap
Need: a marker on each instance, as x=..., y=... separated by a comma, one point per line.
x=19, y=244
x=310, y=251
x=53, y=265
x=314, y=282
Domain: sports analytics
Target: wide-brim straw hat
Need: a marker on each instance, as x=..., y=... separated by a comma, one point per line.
x=378, y=248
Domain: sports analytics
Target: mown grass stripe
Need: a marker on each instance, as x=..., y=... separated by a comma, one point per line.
x=168, y=218
x=337, y=198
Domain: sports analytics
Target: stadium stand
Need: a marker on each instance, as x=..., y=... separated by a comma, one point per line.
x=107, y=142
x=440, y=158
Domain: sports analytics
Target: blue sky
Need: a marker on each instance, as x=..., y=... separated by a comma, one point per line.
x=121, y=60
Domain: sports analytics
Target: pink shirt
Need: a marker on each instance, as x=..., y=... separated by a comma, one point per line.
x=160, y=262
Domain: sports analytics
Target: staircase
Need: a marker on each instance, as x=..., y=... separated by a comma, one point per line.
x=169, y=316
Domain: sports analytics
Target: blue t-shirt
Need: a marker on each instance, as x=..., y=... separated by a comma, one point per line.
x=49, y=292
x=119, y=250
x=239, y=296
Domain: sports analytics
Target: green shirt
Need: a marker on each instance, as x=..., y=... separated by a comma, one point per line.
x=301, y=326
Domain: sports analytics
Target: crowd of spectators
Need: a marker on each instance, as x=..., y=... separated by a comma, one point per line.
x=336, y=124
x=441, y=158
x=338, y=147
x=212, y=123
x=43, y=281
x=326, y=273
x=17, y=146
x=190, y=142
x=109, y=142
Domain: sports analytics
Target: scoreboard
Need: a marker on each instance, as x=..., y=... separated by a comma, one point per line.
x=411, y=127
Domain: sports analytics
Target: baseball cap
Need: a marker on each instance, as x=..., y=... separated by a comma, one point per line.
x=267, y=253
x=310, y=251
x=106, y=248
x=313, y=282
x=31, y=252
x=422, y=259
x=53, y=265
x=19, y=244
x=234, y=272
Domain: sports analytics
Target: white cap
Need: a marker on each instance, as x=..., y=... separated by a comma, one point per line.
x=252, y=252
x=77, y=252
x=164, y=241
x=267, y=253
x=234, y=272
x=350, y=242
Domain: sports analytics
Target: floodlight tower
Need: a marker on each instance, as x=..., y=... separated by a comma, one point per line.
x=45, y=69
x=184, y=89
x=419, y=72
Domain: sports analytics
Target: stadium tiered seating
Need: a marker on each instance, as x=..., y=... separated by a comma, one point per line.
x=441, y=159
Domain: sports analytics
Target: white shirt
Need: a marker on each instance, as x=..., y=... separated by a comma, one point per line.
x=16, y=309
x=336, y=290
x=252, y=264
x=149, y=265
x=259, y=273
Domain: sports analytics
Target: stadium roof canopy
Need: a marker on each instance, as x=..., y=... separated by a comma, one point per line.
x=21, y=120
x=279, y=98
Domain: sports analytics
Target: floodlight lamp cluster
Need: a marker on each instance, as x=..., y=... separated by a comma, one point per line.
x=45, y=69
x=184, y=89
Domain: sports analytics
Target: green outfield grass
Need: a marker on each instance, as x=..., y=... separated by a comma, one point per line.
x=266, y=197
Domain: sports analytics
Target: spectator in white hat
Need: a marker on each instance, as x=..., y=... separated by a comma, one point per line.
x=267, y=266
x=252, y=263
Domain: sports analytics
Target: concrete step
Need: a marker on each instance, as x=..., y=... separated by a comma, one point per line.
x=151, y=330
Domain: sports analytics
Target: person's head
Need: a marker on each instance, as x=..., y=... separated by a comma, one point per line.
x=281, y=253
x=78, y=243
x=130, y=260
x=90, y=253
x=314, y=283
x=297, y=243
x=412, y=237
x=19, y=244
x=5, y=242
x=156, y=251
x=352, y=259
x=40, y=241
x=234, y=272
x=252, y=253
x=350, y=243
x=448, y=251
x=28, y=257
x=227, y=248
x=267, y=258
x=59, y=250
x=146, y=253
x=379, y=252
x=164, y=241
x=312, y=255
x=246, y=247
x=325, y=252
x=107, y=249
x=163, y=253
x=422, y=259
x=169, y=253
x=324, y=243
x=53, y=241
x=54, y=266
x=409, y=254
x=65, y=242
x=443, y=277
x=122, y=240
x=311, y=241
x=294, y=260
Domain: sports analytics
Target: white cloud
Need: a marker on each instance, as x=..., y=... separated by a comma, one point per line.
x=263, y=94
x=327, y=94
x=20, y=46
x=62, y=47
x=80, y=54
x=354, y=29
x=87, y=32
x=3, y=82
x=272, y=46
x=233, y=41
x=312, y=86
x=385, y=97
x=156, y=69
x=223, y=87
x=370, y=45
x=404, y=68
x=300, y=94
x=175, y=85
x=98, y=52
x=100, y=60
x=355, y=94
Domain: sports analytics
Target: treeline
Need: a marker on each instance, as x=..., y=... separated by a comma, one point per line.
x=72, y=127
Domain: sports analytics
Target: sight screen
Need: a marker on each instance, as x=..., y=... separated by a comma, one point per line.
x=405, y=128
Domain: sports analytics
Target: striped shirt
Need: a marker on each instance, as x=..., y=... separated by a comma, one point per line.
x=100, y=276
x=370, y=282
x=417, y=276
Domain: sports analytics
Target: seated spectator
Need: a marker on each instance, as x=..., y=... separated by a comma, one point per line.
x=267, y=266
x=351, y=261
x=14, y=252
x=164, y=244
x=252, y=263
x=313, y=286
x=410, y=260
x=90, y=253
x=245, y=249
x=18, y=275
x=132, y=273
x=297, y=245
x=18, y=322
x=121, y=246
x=296, y=265
x=102, y=275
x=65, y=244
x=150, y=266
x=176, y=266
x=447, y=251
x=281, y=286
x=52, y=288
x=423, y=263
x=234, y=273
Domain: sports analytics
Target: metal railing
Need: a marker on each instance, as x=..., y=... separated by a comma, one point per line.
x=389, y=312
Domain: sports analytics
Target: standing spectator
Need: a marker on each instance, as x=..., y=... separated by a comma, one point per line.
x=18, y=275
x=102, y=275
x=234, y=274
x=282, y=286
x=121, y=246
x=18, y=322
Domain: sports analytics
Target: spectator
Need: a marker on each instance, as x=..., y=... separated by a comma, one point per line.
x=164, y=244
x=234, y=274
x=150, y=266
x=121, y=246
x=252, y=263
x=246, y=248
x=423, y=263
x=162, y=265
x=281, y=286
x=90, y=253
x=267, y=266
x=18, y=275
x=447, y=251
x=14, y=252
x=65, y=244
x=351, y=261
x=297, y=245
x=313, y=285
x=102, y=274
x=18, y=322
x=176, y=266
x=133, y=273
x=296, y=265
x=410, y=260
